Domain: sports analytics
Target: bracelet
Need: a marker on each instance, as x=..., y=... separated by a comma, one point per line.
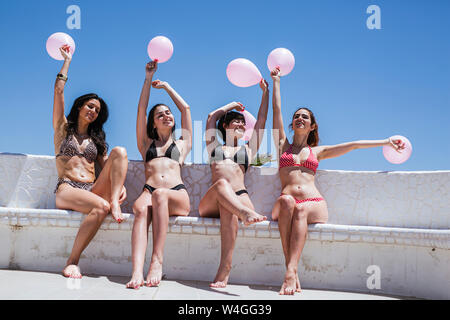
x=62, y=77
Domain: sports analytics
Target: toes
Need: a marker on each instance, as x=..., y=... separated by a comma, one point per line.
x=218, y=285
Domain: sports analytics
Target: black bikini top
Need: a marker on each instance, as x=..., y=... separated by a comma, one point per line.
x=240, y=157
x=69, y=148
x=172, y=152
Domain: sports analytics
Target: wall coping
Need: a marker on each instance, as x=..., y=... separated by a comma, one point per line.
x=25, y=217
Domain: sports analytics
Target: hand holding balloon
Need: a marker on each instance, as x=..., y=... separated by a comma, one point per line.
x=397, y=150
x=275, y=74
x=264, y=85
x=65, y=52
x=397, y=144
x=150, y=69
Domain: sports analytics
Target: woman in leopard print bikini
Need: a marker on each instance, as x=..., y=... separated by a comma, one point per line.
x=79, y=142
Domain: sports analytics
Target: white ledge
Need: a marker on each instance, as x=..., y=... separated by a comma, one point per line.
x=435, y=238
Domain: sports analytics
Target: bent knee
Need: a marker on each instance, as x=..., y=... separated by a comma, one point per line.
x=102, y=208
x=221, y=183
x=119, y=152
x=286, y=201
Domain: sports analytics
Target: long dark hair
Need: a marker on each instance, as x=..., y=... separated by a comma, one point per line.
x=225, y=120
x=152, y=133
x=313, y=137
x=95, y=129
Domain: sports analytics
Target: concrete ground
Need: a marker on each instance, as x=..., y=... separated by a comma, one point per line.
x=32, y=285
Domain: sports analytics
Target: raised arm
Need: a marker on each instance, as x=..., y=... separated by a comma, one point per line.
x=279, y=135
x=213, y=116
x=185, y=109
x=258, y=131
x=141, y=123
x=59, y=118
x=326, y=152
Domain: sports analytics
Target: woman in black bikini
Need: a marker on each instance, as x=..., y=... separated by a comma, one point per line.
x=228, y=198
x=80, y=141
x=164, y=193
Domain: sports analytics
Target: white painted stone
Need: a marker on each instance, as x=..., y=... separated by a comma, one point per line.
x=390, y=219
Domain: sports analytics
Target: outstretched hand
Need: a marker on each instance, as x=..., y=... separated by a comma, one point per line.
x=397, y=144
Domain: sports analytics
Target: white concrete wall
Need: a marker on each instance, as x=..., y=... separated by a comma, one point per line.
x=384, y=199
x=398, y=221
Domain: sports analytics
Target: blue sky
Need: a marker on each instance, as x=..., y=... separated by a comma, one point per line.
x=360, y=83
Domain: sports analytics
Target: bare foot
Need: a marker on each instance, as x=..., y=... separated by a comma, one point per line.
x=289, y=286
x=297, y=285
x=116, y=211
x=137, y=281
x=221, y=279
x=72, y=271
x=218, y=284
x=249, y=217
x=154, y=274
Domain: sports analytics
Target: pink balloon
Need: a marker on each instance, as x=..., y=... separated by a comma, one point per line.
x=160, y=48
x=250, y=122
x=394, y=156
x=282, y=58
x=243, y=73
x=56, y=41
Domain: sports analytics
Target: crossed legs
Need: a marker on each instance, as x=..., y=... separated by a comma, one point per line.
x=221, y=201
x=96, y=203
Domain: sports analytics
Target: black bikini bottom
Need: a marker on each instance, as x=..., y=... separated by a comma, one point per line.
x=177, y=187
x=238, y=193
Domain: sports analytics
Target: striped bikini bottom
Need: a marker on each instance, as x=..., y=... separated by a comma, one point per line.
x=304, y=200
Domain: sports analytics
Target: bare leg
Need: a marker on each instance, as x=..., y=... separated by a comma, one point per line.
x=229, y=225
x=111, y=180
x=299, y=232
x=283, y=212
x=142, y=210
x=96, y=208
x=165, y=203
x=221, y=193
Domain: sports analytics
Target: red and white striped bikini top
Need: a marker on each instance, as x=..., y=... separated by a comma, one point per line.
x=287, y=160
